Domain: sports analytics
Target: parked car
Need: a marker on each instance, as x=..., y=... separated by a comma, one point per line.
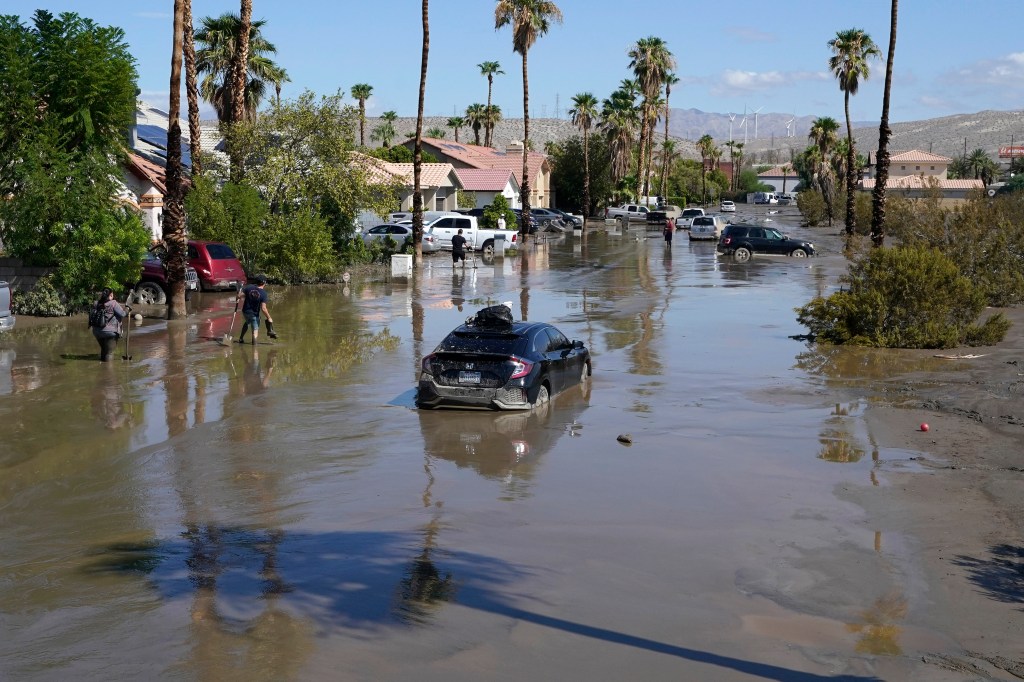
x=706, y=227
x=397, y=232
x=399, y=216
x=519, y=220
x=742, y=241
x=686, y=219
x=152, y=287
x=503, y=365
x=727, y=207
x=569, y=219
x=218, y=267
x=6, y=315
x=627, y=211
x=765, y=198
x=546, y=216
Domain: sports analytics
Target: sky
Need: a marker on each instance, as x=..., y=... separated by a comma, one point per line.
x=952, y=56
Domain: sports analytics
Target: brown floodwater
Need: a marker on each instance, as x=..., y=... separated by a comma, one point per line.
x=278, y=512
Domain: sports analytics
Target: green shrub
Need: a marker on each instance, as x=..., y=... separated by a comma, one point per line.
x=299, y=249
x=499, y=206
x=905, y=297
x=812, y=207
x=43, y=300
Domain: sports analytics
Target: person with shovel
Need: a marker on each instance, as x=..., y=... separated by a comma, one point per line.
x=254, y=298
x=105, y=321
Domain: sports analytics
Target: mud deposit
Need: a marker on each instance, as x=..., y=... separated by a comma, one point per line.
x=282, y=512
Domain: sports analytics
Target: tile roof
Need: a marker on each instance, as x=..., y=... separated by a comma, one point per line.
x=431, y=174
x=776, y=172
x=917, y=156
x=484, y=179
x=485, y=157
x=148, y=171
x=919, y=182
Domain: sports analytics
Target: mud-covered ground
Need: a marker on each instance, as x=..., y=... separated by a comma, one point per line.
x=218, y=511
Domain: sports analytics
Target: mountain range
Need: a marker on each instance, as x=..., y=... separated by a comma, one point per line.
x=947, y=135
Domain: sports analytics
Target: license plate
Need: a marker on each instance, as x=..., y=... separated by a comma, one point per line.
x=469, y=377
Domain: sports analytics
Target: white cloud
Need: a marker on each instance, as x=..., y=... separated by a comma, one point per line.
x=1003, y=72
x=940, y=103
x=733, y=82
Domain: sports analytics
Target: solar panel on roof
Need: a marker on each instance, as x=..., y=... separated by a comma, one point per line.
x=157, y=137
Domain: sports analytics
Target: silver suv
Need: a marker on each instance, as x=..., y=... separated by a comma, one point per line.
x=6, y=316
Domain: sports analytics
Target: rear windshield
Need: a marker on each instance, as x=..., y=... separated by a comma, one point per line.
x=692, y=212
x=703, y=221
x=220, y=251
x=481, y=342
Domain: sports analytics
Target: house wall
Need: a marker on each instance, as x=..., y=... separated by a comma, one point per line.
x=936, y=170
x=150, y=202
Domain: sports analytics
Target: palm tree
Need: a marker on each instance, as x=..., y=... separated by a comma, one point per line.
x=174, y=205
x=191, y=88
x=824, y=134
x=417, y=154
x=670, y=80
x=583, y=115
x=385, y=132
x=217, y=38
x=668, y=154
x=849, y=63
x=361, y=92
x=706, y=147
x=475, y=115
x=456, y=122
x=786, y=170
x=651, y=62
x=976, y=160
x=241, y=62
x=619, y=121
x=492, y=117
x=436, y=132
x=529, y=19
x=490, y=70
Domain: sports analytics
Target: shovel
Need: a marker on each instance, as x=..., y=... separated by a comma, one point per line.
x=226, y=340
x=128, y=333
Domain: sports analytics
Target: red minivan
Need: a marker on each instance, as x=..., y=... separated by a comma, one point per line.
x=217, y=266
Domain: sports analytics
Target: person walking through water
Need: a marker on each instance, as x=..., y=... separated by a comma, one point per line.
x=459, y=249
x=105, y=320
x=670, y=230
x=254, y=297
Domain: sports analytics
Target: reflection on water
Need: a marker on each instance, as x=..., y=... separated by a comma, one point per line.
x=879, y=626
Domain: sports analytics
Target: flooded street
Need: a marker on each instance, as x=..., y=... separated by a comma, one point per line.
x=283, y=512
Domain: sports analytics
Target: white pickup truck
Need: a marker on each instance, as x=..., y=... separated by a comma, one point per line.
x=686, y=219
x=438, y=233
x=628, y=211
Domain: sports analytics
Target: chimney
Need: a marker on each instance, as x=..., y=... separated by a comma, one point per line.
x=514, y=147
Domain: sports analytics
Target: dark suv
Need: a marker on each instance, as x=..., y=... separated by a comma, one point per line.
x=742, y=241
x=152, y=287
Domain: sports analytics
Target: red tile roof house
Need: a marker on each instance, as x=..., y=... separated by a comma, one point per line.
x=913, y=172
x=778, y=179
x=439, y=184
x=487, y=183
x=511, y=158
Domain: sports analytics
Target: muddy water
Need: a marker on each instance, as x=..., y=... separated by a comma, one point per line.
x=221, y=512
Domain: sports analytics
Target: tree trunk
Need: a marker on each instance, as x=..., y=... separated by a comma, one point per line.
x=240, y=70
x=174, y=235
x=664, y=154
x=488, y=128
x=524, y=189
x=362, y=122
x=851, y=185
x=586, y=175
x=417, y=157
x=192, y=91
x=642, y=151
x=882, y=157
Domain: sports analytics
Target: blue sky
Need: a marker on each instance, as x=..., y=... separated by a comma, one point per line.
x=952, y=56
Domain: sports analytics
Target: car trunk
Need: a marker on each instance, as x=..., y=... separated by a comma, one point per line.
x=479, y=370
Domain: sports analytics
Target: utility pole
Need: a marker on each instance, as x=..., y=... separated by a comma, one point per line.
x=558, y=107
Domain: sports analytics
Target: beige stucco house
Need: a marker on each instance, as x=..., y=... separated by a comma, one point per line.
x=462, y=155
x=487, y=183
x=913, y=173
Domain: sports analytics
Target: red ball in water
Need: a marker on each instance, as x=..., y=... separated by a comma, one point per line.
x=924, y=427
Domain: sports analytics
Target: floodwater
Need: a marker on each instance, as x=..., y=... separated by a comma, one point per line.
x=283, y=512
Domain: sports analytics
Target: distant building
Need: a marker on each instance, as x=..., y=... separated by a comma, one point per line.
x=914, y=172
x=511, y=158
x=780, y=178
x=487, y=183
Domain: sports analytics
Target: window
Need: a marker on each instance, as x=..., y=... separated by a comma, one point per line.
x=558, y=340
x=220, y=252
x=933, y=167
x=903, y=168
x=462, y=223
x=917, y=168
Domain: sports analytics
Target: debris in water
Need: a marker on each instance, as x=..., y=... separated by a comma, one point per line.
x=625, y=439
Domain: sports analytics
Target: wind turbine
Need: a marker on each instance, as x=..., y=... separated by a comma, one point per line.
x=743, y=124
x=732, y=117
x=788, y=124
x=755, y=121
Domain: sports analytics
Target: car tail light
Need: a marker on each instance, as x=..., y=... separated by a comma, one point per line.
x=520, y=367
x=726, y=240
x=425, y=364
x=514, y=235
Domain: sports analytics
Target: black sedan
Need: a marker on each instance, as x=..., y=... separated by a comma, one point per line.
x=512, y=366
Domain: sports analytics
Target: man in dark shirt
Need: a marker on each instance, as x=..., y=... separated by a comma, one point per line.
x=459, y=249
x=254, y=297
